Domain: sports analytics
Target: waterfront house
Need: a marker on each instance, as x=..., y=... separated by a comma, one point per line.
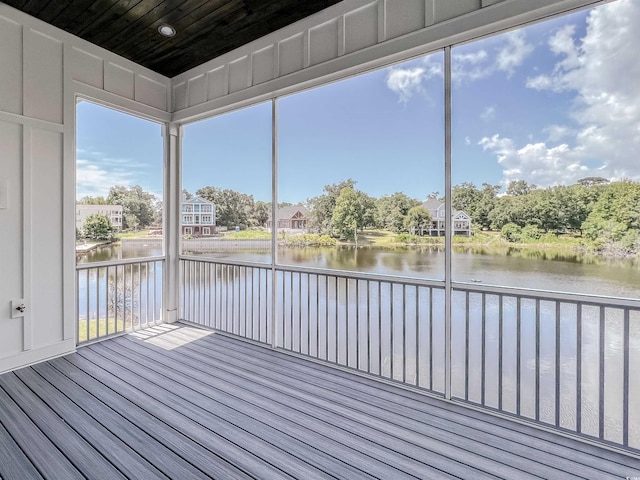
x=291, y=218
x=460, y=221
x=198, y=217
x=219, y=367
x=114, y=212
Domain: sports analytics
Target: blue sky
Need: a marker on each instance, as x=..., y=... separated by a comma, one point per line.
x=114, y=148
x=550, y=103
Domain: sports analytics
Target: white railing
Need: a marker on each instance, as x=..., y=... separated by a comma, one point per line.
x=232, y=298
x=565, y=360
x=568, y=361
x=118, y=296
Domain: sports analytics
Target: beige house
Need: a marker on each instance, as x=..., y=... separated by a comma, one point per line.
x=114, y=212
x=291, y=217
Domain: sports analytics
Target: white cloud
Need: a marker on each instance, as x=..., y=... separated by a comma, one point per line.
x=471, y=66
x=488, y=114
x=513, y=53
x=556, y=133
x=405, y=82
x=541, y=82
x=535, y=162
x=409, y=81
x=95, y=180
x=509, y=54
x=601, y=70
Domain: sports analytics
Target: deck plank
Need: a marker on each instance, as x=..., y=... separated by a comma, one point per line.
x=210, y=414
x=235, y=445
x=155, y=451
x=358, y=412
x=126, y=460
x=178, y=441
x=14, y=464
x=578, y=453
x=82, y=454
x=292, y=418
x=364, y=439
x=40, y=451
x=176, y=401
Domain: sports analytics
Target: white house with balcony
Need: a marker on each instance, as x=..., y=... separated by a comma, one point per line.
x=461, y=221
x=114, y=212
x=198, y=217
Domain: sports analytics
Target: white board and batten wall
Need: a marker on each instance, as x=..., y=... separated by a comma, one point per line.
x=43, y=70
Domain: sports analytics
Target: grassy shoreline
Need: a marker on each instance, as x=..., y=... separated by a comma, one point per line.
x=489, y=242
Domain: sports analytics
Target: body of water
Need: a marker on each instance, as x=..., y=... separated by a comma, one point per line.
x=327, y=313
x=512, y=267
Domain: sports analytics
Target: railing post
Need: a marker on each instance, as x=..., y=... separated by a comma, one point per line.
x=447, y=223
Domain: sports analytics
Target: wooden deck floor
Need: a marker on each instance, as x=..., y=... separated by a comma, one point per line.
x=179, y=402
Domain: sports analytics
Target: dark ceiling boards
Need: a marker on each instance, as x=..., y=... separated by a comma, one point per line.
x=206, y=29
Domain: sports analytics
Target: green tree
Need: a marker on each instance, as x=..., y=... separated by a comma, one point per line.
x=477, y=203
x=393, y=210
x=132, y=222
x=591, y=181
x=511, y=232
x=575, y=202
x=518, y=188
x=261, y=213
x=232, y=208
x=507, y=210
x=135, y=201
x=369, y=210
x=89, y=200
x=417, y=220
x=348, y=214
x=98, y=227
x=616, y=213
x=323, y=205
x=541, y=209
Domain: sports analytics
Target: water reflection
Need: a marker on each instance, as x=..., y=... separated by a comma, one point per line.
x=514, y=267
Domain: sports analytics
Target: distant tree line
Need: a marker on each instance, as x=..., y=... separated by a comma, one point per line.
x=595, y=208
x=340, y=211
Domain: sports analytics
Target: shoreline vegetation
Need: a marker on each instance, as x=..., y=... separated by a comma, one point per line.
x=548, y=246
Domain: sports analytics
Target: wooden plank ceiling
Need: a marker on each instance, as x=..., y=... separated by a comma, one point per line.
x=205, y=29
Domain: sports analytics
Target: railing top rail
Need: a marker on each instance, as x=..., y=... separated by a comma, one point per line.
x=547, y=295
x=322, y=271
x=198, y=258
x=550, y=295
x=363, y=276
x=112, y=263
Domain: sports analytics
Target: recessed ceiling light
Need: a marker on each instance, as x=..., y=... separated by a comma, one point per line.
x=166, y=30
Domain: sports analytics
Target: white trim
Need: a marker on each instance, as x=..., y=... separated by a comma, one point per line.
x=37, y=355
x=31, y=122
x=27, y=237
x=122, y=104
